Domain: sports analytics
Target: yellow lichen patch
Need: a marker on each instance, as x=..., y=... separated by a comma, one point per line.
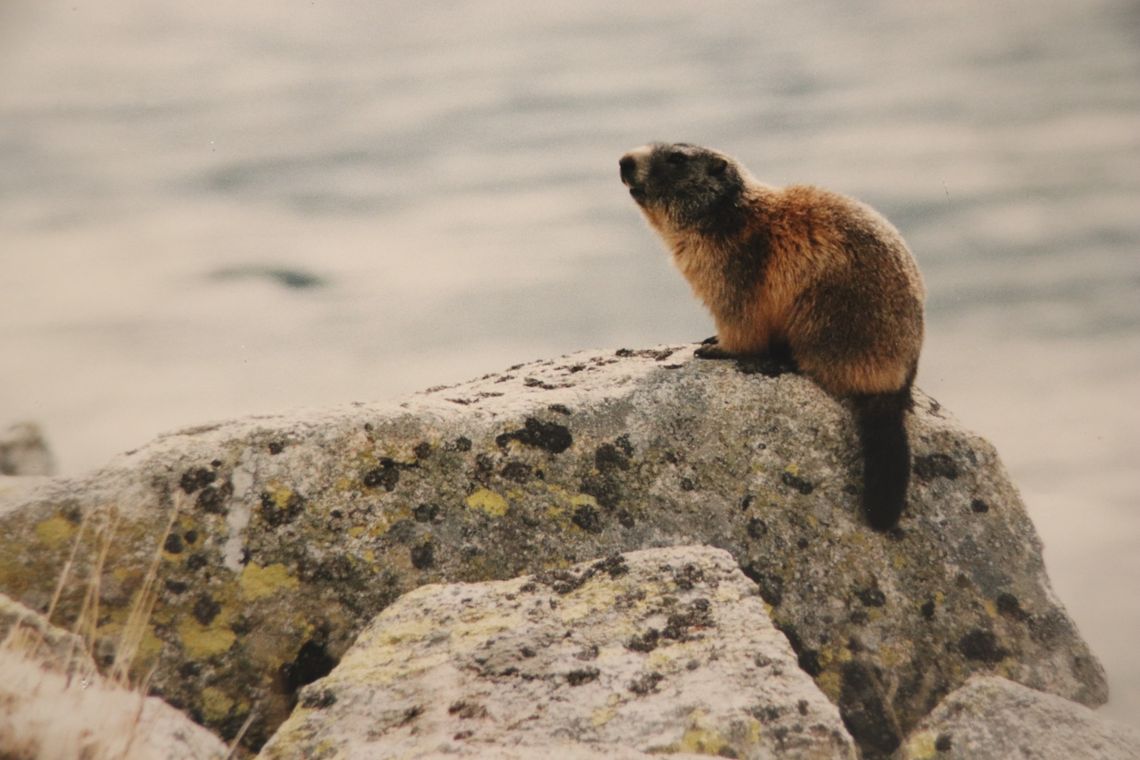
x=200, y=641
x=54, y=531
x=829, y=683
x=702, y=741
x=602, y=715
x=487, y=501
x=921, y=746
x=257, y=582
x=216, y=704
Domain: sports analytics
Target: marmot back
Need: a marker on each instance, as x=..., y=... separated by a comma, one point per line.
x=799, y=273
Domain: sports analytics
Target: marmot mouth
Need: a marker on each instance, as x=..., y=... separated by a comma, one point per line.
x=637, y=194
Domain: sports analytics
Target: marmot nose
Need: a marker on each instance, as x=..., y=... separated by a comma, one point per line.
x=628, y=166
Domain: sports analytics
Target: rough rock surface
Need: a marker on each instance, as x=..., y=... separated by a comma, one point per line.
x=994, y=719
x=288, y=534
x=54, y=706
x=658, y=651
x=23, y=451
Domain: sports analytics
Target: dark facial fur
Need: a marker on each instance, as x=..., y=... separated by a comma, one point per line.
x=696, y=188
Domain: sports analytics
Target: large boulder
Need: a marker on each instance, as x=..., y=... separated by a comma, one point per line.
x=277, y=539
x=662, y=651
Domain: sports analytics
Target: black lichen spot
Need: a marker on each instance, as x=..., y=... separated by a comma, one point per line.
x=423, y=556
x=608, y=458
x=411, y=714
x=175, y=587
x=747, y=502
x=191, y=537
x=276, y=447
x=605, y=489
x=196, y=561
x=1009, y=606
x=386, y=475
x=757, y=528
x=582, y=675
x=172, y=544
x=645, y=683
x=465, y=710
x=560, y=408
x=614, y=566
x=979, y=506
x=206, y=609
x=935, y=466
x=697, y=614
x=426, y=513
x=189, y=669
x=196, y=478
x=519, y=472
x=422, y=450
x=275, y=515
x=928, y=609
x=318, y=699
x=587, y=518
x=462, y=443
x=687, y=484
x=645, y=642
x=982, y=646
x=943, y=743
x=866, y=711
x=871, y=597
x=625, y=519
x=312, y=662
x=212, y=499
x=688, y=576
x=797, y=483
x=549, y=436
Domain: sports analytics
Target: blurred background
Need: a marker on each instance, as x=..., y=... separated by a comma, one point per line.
x=214, y=210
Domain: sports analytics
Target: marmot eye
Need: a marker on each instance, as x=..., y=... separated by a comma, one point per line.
x=676, y=158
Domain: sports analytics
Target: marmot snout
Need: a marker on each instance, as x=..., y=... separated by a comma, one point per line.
x=800, y=272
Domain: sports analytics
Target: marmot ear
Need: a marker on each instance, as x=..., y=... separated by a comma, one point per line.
x=718, y=166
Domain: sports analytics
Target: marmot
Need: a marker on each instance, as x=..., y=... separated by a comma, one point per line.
x=797, y=274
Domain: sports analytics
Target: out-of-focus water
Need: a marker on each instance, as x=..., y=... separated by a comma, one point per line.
x=445, y=172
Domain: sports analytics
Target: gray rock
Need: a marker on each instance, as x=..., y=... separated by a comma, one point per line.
x=991, y=718
x=55, y=706
x=24, y=451
x=658, y=652
x=289, y=534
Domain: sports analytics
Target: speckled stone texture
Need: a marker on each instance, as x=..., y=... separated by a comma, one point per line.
x=289, y=534
x=660, y=651
x=994, y=719
x=54, y=706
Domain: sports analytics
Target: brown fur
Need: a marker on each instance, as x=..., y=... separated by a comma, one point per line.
x=837, y=286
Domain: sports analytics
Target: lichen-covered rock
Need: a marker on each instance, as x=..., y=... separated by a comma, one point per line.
x=24, y=451
x=279, y=538
x=992, y=718
x=55, y=706
x=659, y=652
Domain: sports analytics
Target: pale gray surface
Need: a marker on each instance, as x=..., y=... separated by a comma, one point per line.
x=996, y=719
x=449, y=169
x=542, y=665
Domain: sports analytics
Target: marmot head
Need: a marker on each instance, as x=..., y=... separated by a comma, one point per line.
x=684, y=187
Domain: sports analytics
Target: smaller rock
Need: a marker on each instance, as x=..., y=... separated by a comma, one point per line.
x=24, y=451
x=53, y=704
x=541, y=666
x=991, y=718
